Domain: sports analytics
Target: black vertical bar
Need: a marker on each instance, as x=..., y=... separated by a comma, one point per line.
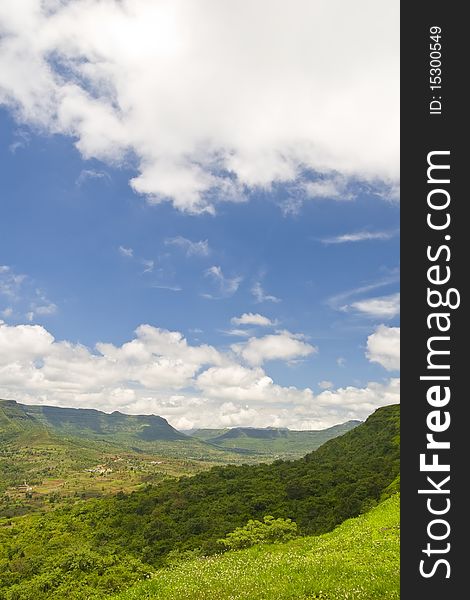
x=425, y=128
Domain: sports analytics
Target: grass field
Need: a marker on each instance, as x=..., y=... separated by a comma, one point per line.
x=359, y=560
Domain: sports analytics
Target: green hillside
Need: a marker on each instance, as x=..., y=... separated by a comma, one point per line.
x=90, y=423
x=273, y=442
x=106, y=544
x=359, y=560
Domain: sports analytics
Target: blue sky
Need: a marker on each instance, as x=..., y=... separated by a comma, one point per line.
x=90, y=251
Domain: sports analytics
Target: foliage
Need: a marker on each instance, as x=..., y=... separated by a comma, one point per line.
x=339, y=480
x=359, y=560
x=256, y=532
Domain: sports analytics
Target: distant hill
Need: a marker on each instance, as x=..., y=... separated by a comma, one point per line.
x=15, y=417
x=277, y=442
x=152, y=433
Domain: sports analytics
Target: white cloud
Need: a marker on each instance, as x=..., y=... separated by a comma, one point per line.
x=23, y=342
x=236, y=332
x=337, y=302
x=10, y=282
x=155, y=359
x=170, y=288
x=260, y=295
x=148, y=264
x=200, y=248
x=226, y=286
x=159, y=372
x=46, y=309
x=22, y=139
x=23, y=295
x=280, y=346
x=252, y=319
x=334, y=188
x=238, y=384
x=384, y=307
x=127, y=252
x=87, y=174
x=383, y=347
x=325, y=385
x=212, y=98
x=340, y=361
x=360, y=401
x=360, y=236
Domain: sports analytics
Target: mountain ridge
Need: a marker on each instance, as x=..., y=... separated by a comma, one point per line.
x=89, y=421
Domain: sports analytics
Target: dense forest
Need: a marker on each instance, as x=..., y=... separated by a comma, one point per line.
x=359, y=560
x=86, y=548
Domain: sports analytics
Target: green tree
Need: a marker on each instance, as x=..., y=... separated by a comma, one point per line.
x=257, y=532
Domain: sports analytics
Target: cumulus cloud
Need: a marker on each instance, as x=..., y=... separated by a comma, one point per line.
x=159, y=372
x=252, y=319
x=360, y=401
x=154, y=359
x=385, y=307
x=383, y=347
x=239, y=384
x=212, y=98
x=23, y=342
x=200, y=248
x=280, y=346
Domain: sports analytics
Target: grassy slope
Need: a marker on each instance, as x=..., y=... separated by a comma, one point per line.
x=359, y=560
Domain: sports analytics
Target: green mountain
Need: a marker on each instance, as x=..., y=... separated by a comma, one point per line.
x=274, y=442
x=85, y=422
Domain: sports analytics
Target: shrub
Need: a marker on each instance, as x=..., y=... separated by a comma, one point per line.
x=257, y=532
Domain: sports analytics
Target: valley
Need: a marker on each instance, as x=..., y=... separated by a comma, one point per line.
x=50, y=455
